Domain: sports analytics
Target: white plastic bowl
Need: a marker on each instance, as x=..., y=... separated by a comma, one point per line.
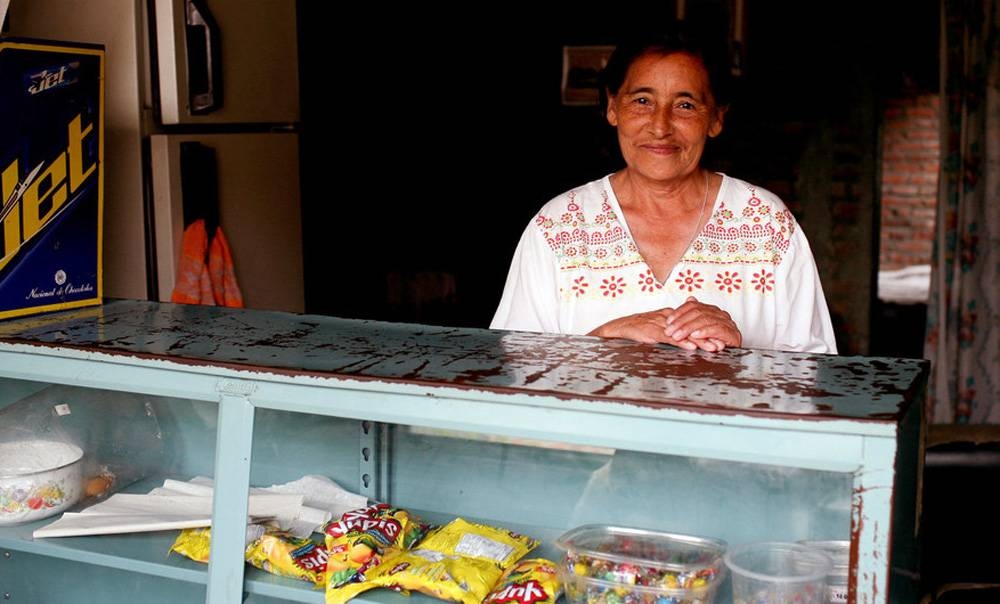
x=38, y=479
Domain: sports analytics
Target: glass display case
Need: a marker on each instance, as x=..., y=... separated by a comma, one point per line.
x=532, y=432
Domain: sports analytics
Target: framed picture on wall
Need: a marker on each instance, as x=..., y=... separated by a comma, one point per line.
x=582, y=67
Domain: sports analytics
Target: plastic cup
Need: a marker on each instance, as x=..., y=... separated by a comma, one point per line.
x=836, y=581
x=776, y=572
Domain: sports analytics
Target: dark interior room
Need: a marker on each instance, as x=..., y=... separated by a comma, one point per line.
x=453, y=136
x=419, y=177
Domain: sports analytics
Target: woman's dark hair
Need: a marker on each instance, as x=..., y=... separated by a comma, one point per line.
x=676, y=37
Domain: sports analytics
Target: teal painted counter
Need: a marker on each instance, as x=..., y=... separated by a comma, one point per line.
x=540, y=432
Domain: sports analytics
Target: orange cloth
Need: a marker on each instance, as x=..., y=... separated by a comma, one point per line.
x=205, y=274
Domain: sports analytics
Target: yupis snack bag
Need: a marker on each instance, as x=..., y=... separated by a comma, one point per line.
x=362, y=537
x=285, y=555
x=460, y=561
x=533, y=581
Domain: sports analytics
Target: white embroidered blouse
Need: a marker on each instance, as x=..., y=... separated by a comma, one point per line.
x=577, y=267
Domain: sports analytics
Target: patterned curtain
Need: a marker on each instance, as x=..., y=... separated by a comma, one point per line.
x=963, y=319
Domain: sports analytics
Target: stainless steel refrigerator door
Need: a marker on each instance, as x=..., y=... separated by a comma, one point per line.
x=259, y=212
x=256, y=79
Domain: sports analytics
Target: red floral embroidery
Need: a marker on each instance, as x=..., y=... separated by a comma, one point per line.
x=580, y=286
x=728, y=281
x=754, y=231
x=648, y=282
x=689, y=280
x=613, y=286
x=763, y=281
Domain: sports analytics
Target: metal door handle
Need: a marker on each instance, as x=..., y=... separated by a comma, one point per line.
x=204, y=56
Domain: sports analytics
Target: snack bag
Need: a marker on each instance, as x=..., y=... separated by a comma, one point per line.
x=533, y=581
x=195, y=542
x=362, y=537
x=285, y=555
x=273, y=551
x=460, y=561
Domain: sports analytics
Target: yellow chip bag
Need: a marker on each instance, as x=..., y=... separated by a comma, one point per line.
x=533, y=581
x=498, y=546
x=195, y=542
x=460, y=561
x=285, y=555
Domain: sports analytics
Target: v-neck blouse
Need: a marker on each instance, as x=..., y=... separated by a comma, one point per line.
x=619, y=215
x=577, y=267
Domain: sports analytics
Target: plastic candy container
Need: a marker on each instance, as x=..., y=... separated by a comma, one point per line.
x=618, y=565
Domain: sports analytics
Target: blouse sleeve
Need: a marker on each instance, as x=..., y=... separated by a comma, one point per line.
x=530, y=294
x=803, y=319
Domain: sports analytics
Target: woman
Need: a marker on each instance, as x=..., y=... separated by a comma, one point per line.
x=665, y=251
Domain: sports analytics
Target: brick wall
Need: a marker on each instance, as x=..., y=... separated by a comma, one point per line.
x=910, y=157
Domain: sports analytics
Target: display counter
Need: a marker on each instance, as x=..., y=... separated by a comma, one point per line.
x=533, y=432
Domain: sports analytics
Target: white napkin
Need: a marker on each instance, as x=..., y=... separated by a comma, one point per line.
x=131, y=513
x=323, y=499
x=300, y=507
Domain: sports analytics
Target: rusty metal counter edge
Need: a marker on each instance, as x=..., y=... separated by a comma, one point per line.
x=759, y=382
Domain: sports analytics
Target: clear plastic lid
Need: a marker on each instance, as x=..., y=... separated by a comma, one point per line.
x=114, y=436
x=33, y=456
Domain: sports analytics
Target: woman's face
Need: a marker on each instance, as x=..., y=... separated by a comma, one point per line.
x=664, y=113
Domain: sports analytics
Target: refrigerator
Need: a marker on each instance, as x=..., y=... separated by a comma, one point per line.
x=203, y=121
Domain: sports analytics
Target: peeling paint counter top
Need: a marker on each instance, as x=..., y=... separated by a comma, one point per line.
x=570, y=367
